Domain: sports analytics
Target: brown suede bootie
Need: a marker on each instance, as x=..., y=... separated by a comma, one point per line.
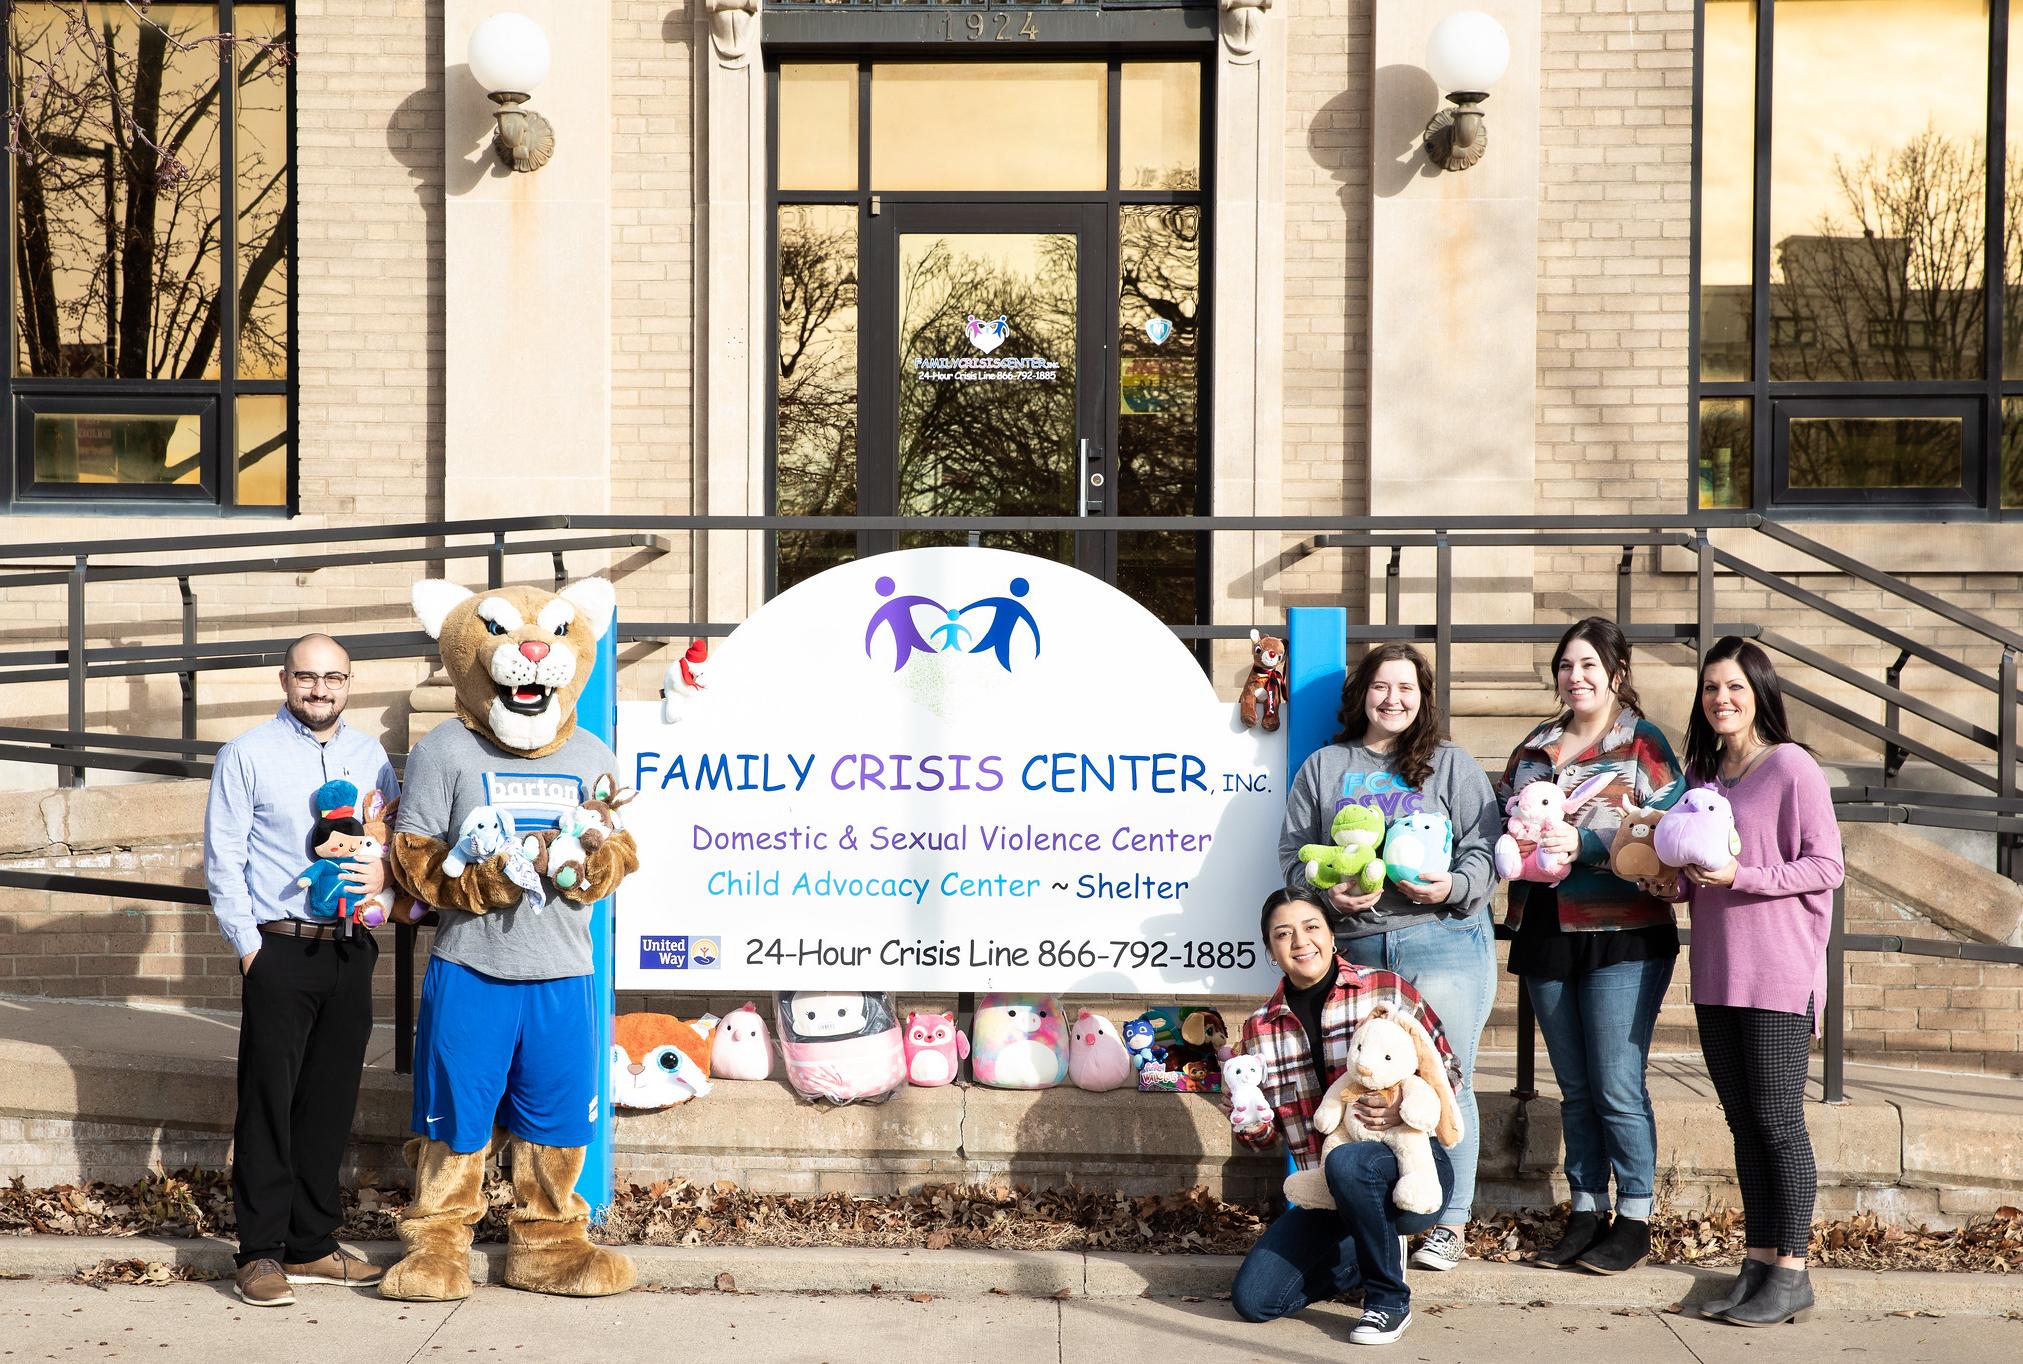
x=449, y=1200
x=548, y=1247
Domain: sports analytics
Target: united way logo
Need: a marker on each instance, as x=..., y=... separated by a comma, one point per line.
x=987, y=336
x=988, y=625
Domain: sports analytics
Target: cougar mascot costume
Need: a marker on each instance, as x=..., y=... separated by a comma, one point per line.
x=506, y=1032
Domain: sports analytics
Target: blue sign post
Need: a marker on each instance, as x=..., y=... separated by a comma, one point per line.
x=597, y=713
x=1317, y=656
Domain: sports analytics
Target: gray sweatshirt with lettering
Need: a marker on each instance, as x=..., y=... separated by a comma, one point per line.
x=1457, y=787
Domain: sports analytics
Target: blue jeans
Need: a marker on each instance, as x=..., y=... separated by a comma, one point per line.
x=1597, y=1030
x=1451, y=964
x=1312, y=1255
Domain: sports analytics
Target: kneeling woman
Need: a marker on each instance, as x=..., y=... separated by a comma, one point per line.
x=1310, y=1254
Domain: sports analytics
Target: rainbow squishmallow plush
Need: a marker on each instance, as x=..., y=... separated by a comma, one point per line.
x=1019, y=1042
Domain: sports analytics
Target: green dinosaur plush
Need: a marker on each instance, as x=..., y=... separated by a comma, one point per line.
x=1356, y=832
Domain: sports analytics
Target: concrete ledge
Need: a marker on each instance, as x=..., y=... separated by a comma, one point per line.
x=1905, y=868
x=1045, y=1274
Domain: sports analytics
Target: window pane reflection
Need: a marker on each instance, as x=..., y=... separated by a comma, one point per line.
x=1727, y=190
x=265, y=214
x=818, y=126
x=987, y=350
x=263, y=450
x=1876, y=217
x=1159, y=386
x=1727, y=455
x=1160, y=133
x=1876, y=452
x=2012, y=452
x=116, y=191
x=989, y=126
x=816, y=417
x=80, y=448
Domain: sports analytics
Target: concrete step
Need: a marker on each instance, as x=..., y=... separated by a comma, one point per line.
x=102, y=1092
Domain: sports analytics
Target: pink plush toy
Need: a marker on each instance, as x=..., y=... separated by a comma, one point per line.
x=1699, y=831
x=1096, y=1055
x=739, y=1049
x=935, y=1048
x=1533, y=812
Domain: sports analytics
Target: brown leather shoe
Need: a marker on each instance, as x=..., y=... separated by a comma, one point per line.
x=263, y=1283
x=339, y=1267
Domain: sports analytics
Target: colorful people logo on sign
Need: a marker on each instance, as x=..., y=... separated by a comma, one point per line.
x=896, y=614
x=986, y=334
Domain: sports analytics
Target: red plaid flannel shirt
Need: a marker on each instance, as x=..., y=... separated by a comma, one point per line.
x=1290, y=1085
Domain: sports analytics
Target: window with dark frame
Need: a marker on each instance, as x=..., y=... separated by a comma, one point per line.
x=150, y=291
x=1131, y=147
x=1857, y=266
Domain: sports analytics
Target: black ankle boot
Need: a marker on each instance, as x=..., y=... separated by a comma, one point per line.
x=1583, y=1229
x=1786, y=1295
x=1627, y=1245
x=1754, y=1272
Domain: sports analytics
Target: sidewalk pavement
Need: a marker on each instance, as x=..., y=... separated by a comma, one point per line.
x=204, y=1323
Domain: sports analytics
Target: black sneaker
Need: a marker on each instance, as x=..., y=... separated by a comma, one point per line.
x=1583, y=1229
x=1627, y=1245
x=1379, y=1327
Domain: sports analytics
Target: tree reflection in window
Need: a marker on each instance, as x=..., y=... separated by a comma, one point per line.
x=816, y=470
x=1159, y=380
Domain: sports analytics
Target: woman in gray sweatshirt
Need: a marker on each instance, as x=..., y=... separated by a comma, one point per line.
x=1434, y=931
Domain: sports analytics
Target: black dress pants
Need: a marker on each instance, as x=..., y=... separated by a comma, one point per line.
x=305, y=1016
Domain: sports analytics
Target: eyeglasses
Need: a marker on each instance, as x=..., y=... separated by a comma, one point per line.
x=330, y=680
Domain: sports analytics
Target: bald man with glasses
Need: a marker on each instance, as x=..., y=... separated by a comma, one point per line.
x=306, y=984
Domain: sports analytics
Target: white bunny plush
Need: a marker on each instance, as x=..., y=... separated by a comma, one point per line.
x=1391, y=1056
x=1243, y=1081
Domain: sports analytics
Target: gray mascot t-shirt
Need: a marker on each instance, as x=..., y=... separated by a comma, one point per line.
x=453, y=771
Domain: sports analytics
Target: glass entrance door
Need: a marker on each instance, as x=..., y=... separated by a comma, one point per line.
x=997, y=361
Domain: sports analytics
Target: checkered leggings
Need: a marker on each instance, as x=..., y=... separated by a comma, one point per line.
x=1756, y=1059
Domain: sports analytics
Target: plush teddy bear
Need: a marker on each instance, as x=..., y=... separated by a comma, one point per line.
x=1243, y=1081
x=1699, y=831
x=1390, y=1056
x=1534, y=811
x=1418, y=843
x=1264, y=689
x=1352, y=853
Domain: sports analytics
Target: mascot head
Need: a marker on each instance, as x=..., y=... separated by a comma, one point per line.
x=517, y=656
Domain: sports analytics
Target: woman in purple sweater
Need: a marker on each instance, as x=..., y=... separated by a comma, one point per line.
x=1759, y=964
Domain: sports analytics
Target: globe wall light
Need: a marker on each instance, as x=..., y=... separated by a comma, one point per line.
x=509, y=57
x=1467, y=53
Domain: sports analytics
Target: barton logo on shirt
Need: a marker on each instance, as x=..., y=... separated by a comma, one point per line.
x=535, y=800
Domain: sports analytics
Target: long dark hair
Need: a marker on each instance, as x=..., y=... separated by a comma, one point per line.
x=1611, y=647
x=1703, y=746
x=1289, y=895
x=1412, y=755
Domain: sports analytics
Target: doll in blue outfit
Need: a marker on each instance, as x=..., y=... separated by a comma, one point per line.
x=338, y=838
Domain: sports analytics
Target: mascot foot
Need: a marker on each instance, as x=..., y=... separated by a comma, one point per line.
x=1308, y=1189
x=548, y=1232
x=449, y=1200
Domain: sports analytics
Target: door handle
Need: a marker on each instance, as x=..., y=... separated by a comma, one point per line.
x=1089, y=499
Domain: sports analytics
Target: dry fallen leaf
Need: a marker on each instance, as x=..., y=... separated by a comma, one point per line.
x=726, y=1284
x=921, y=1297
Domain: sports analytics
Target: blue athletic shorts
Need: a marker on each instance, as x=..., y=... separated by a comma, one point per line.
x=521, y=1053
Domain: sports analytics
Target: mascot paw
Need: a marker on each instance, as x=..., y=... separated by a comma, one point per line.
x=1417, y=1193
x=1308, y=1189
x=431, y=1274
x=566, y=1264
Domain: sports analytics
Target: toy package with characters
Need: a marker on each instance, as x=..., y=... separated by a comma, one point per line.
x=1185, y=1052
x=658, y=1060
x=840, y=1046
x=1019, y=1042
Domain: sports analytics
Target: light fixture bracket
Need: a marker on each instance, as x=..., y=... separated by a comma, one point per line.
x=1456, y=137
x=523, y=139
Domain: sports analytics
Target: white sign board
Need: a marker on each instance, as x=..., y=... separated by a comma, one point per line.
x=949, y=769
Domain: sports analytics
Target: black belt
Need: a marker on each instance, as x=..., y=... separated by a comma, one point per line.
x=298, y=928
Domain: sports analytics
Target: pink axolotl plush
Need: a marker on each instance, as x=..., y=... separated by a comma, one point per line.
x=1533, y=812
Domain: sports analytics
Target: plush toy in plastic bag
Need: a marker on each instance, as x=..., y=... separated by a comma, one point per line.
x=840, y=1046
x=1019, y=1042
x=658, y=1061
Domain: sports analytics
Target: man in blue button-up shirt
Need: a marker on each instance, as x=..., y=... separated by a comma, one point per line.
x=306, y=996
